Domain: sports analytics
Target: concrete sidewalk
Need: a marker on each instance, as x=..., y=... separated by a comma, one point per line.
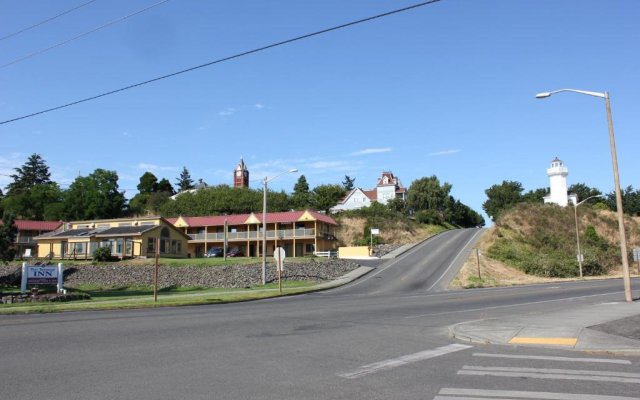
x=603, y=328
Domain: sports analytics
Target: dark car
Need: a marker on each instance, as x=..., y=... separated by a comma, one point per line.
x=214, y=252
x=235, y=253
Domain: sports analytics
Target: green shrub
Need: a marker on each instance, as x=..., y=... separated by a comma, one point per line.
x=102, y=254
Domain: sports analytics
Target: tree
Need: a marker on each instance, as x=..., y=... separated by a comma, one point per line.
x=41, y=201
x=630, y=201
x=95, y=196
x=33, y=172
x=8, y=232
x=148, y=183
x=348, y=183
x=165, y=186
x=535, y=196
x=301, y=197
x=327, y=196
x=583, y=191
x=429, y=194
x=184, y=182
x=397, y=204
x=502, y=197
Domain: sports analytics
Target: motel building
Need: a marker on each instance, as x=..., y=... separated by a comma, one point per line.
x=300, y=233
x=127, y=238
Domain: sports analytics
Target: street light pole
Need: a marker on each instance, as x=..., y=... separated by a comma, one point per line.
x=616, y=178
x=575, y=213
x=265, y=181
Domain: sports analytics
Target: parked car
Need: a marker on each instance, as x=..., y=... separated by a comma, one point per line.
x=214, y=252
x=235, y=252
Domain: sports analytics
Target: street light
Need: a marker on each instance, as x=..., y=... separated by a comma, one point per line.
x=265, y=181
x=575, y=213
x=616, y=178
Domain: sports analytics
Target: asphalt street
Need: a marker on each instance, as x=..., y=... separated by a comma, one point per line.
x=384, y=336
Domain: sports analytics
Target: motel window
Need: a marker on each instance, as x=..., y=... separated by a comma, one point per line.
x=151, y=245
x=309, y=248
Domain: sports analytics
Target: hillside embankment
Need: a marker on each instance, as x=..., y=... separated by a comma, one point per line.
x=536, y=243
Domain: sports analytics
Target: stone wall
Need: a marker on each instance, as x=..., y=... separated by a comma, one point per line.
x=231, y=276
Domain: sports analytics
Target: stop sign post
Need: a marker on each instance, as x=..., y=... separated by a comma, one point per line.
x=279, y=255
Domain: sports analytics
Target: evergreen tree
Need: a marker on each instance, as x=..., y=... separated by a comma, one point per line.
x=348, y=183
x=301, y=198
x=8, y=232
x=34, y=172
x=184, y=182
x=326, y=196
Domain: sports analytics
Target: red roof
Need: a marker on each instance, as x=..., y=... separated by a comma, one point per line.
x=371, y=194
x=239, y=219
x=24, y=225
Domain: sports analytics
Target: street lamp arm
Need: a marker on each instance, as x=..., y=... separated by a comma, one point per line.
x=589, y=198
x=588, y=93
x=267, y=180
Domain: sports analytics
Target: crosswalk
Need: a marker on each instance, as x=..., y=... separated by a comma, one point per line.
x=595, y=370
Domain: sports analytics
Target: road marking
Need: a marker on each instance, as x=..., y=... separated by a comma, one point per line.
x=484, y=394
x=455, y=258
x=544, y=340
x=553, y=358
x=509, y=305
x=552, y=373
x=400, y=361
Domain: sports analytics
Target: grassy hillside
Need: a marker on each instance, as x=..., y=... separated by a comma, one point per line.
x=540, y=240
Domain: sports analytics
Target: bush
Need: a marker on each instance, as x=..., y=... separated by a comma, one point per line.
x=102, y=254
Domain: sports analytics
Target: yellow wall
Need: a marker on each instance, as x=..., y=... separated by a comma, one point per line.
x=354, y=251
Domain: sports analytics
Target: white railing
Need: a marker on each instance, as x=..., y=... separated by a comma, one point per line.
x=282, y=233
x=328, y=254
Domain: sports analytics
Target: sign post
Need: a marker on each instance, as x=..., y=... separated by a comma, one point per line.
x=279, y=255
x=374, y=231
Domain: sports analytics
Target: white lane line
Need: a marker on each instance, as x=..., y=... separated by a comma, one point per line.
x=544, y=373
x=552, y=358
x=510, y=305
x=464, y=248
x=400, y=361
x=479, y=393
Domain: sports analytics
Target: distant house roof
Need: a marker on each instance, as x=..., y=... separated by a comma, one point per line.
x=24, y=225
x=371, y=194
x=241, y=219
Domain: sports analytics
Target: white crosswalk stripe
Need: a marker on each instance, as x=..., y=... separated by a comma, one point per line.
x=552, y=373
x=554, y=358
x=478, y=394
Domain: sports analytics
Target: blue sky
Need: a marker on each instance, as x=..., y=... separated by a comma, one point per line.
x=447, y=89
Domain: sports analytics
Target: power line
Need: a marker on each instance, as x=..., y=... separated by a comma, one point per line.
x=46, y=20
x=17, y=60
x=221, y=60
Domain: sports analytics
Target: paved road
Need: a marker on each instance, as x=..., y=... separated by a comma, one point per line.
x=366, y=341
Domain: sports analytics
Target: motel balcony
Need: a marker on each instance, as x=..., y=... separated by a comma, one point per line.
x=271, y=234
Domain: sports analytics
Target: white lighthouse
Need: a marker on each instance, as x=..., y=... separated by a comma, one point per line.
x=557, y=174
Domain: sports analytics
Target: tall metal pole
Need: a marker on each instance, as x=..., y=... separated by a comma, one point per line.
x=264, y=232
x=575, y=213
x=623, y=240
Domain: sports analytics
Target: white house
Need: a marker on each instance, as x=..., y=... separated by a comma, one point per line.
x=559, y=195
x=387, y=188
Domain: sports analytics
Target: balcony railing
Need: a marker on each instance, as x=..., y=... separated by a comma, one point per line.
x=280, y=234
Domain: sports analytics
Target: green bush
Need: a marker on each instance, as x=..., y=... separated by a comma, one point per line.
x=102, y=254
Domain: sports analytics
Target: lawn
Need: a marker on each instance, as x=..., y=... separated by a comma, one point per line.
x=142, y=297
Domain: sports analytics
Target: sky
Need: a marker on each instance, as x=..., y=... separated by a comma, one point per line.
x=447, y=89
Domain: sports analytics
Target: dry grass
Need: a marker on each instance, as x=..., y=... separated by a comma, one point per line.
x=352, y=228
x=495, y=273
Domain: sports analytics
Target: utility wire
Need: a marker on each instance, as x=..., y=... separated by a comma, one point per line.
x=221, y=60
x=17, y=60
x=46, y=20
